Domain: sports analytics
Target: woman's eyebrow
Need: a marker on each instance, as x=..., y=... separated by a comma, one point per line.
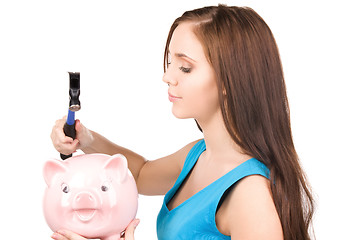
x=181, y=55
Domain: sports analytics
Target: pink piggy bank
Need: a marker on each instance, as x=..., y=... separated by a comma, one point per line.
x=93, y=195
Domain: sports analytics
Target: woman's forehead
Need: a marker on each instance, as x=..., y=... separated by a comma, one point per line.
x=185, y=42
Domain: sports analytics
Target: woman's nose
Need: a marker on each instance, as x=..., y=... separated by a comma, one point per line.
x=168, y=79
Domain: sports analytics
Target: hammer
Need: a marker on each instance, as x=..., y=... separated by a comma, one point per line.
x=74, y=92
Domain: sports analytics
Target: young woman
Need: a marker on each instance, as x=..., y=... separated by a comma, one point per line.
x=243, y=180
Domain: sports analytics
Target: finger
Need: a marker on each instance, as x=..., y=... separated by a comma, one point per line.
x=78, y=125
x=69, y=235
x=60, y=122
x=57, y=126
x=74, y=145
x=58, y=131
x=60, y=137
x=130, y=230
x=63, y=143
x=80, y=130
x=57, y=236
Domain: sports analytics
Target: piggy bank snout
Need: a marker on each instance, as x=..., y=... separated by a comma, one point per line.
x=84, y=200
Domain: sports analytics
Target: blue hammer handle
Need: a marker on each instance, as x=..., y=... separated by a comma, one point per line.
x=69, y=130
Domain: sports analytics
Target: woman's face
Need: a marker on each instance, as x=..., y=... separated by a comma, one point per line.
x=191, y=79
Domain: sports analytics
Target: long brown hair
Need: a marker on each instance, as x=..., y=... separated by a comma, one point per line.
x=252, y=93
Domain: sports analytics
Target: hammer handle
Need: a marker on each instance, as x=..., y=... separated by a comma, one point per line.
x=69, y=131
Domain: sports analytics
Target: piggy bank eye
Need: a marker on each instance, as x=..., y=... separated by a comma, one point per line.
x=105, y=187
x=65, y=188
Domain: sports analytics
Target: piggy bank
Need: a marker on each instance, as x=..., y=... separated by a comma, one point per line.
x=93, y=195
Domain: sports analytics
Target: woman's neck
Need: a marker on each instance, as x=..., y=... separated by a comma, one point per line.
x=219, y=144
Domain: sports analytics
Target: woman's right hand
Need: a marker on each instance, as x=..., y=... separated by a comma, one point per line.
x=66, y=145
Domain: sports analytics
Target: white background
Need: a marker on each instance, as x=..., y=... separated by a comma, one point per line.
x=118, y=48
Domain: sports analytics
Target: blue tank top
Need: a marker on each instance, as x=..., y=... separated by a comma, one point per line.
x=195, y=217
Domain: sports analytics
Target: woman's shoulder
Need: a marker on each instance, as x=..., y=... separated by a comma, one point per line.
x=189, y=148
x=249, y=211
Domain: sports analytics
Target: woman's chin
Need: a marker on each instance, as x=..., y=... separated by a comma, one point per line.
x=180, y=114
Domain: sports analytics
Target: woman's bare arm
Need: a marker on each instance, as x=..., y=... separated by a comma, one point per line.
x=154, y=177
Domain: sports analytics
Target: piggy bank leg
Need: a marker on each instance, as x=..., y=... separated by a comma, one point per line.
x=112, y=237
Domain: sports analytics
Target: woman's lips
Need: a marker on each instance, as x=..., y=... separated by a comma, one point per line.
x=173, y=98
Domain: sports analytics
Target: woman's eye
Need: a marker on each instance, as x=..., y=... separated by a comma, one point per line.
x=65, y=188
x=185, y=70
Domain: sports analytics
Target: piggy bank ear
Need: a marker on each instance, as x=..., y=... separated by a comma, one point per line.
x=51, y=169
x=116, y=165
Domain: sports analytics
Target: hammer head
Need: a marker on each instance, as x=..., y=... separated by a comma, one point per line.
x=74, y=91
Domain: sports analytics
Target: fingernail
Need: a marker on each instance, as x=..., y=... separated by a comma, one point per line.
x=54, y=236
x=137, y=221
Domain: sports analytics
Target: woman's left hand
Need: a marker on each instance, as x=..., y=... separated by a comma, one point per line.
x=68, y=235
x=130, y=230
